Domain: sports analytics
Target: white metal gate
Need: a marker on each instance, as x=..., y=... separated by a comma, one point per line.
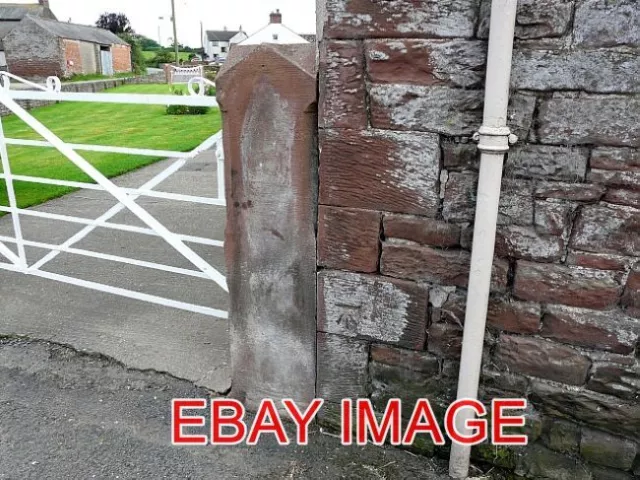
x=126, y=197
x=185, y=74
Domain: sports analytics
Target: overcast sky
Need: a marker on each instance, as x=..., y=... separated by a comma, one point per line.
x=299, y=15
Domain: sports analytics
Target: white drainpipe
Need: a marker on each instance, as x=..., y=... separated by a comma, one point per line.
x=494, y=139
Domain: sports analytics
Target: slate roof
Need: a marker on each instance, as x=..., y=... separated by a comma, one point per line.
x=84, y=33
x=221, y=35
x=17, y=11
x=12, y=13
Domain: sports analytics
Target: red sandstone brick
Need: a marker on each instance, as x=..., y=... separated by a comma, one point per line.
x=578, y=192
x=607, y=229
x=342, y=101
x=573, y=286
x=620, y=196
x=373, y=308
x=426, y=231
x=514, y=317
x=599, y=261
x=611, y=331
x=515, y=241
x=380, y=170
x=543, y=359
x=348, y=239
x=552, y=217
x=631, y=298
x=417, y=361
x=444, y=267
x=608, y=158
x=628, y=179
x=445, y=340
x=400, y=18
x=507, y=315
x=616, y=379
x=455, y=62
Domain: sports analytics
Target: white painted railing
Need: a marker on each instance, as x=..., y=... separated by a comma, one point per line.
x=126, y=197
x=202, y=85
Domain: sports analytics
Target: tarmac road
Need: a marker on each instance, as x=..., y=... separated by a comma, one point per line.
x=69, y=415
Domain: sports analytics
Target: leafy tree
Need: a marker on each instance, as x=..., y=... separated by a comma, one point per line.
x=137, y=58
x=161, y=57
x=148, y=44
x=118, y=23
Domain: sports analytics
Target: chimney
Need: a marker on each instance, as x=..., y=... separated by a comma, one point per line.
x=275, y=17
x=44, y=3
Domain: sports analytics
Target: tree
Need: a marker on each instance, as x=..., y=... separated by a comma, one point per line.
x=137, y=57
x=118, y=23
x=148, y=44
x=163, y=56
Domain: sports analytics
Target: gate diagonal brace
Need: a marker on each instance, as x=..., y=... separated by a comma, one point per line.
x=115, y=191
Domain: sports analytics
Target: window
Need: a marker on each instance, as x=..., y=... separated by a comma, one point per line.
x=223, y=49
x=275, y=36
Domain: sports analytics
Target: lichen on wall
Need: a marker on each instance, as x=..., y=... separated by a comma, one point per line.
x=564, y=316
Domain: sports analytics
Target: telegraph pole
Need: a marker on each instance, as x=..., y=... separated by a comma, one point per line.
x=175, y=30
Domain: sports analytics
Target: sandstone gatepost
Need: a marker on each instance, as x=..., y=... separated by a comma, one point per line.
x=400, y=97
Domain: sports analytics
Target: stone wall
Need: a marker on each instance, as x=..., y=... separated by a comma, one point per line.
x=32, y=51
x=401, y=93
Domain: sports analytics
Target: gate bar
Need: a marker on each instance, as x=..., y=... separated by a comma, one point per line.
x=13, y=204
x=109, y=257
x=132, y=191
x=143, y=152
x=133, y=98
x=212, y=312
x=112, y=226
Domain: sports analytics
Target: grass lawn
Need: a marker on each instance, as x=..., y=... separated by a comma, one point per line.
x=141, y=126
x=150, y=54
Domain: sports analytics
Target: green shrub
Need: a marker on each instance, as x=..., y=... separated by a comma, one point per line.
x=185, y=109
x=210, y=90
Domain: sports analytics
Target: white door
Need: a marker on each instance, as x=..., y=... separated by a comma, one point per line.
x=107, y=62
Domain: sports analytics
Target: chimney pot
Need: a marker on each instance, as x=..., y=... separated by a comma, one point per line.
x=44, y=3
x=276, y=17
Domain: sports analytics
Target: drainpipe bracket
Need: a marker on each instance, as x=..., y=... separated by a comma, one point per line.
x=494, y=139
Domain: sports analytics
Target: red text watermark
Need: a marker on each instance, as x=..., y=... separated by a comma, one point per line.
x=465, y=422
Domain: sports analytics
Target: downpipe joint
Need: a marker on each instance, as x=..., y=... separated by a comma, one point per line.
x=494, y=139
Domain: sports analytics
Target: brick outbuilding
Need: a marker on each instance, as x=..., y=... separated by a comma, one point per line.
x=39, y=47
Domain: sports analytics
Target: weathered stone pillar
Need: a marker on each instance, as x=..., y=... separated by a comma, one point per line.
x=267, y=95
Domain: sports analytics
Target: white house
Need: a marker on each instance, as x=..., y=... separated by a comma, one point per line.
x=218, y=42
x=275, y=32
